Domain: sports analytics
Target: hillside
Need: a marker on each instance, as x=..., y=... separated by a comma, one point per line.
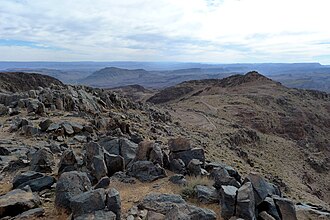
x=77, y=152
x=281, y=132
x=19, y=81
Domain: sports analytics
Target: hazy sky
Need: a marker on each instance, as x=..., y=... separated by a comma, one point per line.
x=222, y=31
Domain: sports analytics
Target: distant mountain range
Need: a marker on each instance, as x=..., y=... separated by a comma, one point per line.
x=164, y=74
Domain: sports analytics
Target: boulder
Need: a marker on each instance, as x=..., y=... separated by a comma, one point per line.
x=30, y=130
x=94, y=160
x=155, y=215
x=221, y=177
x=187, y=155
x=177, y=166
x=128, y=151
x=268, y=205
x=4, y=151
x=69, y=185
x=3, y=110
x=104, y=182
x=285, y=208
x=44, y=124
x=190, y=212
x=88, y=202
x=68, y=129
x=17, y=201
x=179, y=144
x=146, y=171
x=265, y=216
x=35, y=106
x=113, y=202
x=77, y=128
x=31, y=214
x=42, y=161
x=227, y=201
x=161, y=203
x=156, y=155
x=245, y=205
x=97, y=215
x=114, y=163
x=261, y=187
x=68, y=162
x=178, y=179
x=25, y=177
x=206, y=195
x=194, y=168
x=39, y=184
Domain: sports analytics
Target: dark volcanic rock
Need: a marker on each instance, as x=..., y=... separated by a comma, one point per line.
x=88, y=202
x=261, y=187
x=94, y=160
x=177, y=166
x=227, y=201
x=17, y=201
x=44, y=125
x=114, y=163
x=69, y=185
x=31, y=214
x=285, y=208
x=178, y=179
x=98, y=215
x=191, y=212
x=194, y=168
x=268, y=205
x=113, y=202
x=245, y=207
x=161, y=203
x=188, y=155
x=103, y=183
x=221, y=177
x=4, y=151
x=25, y=177
x=68, y=162
x=42, y=161
x=206, y=195
x=146, y=171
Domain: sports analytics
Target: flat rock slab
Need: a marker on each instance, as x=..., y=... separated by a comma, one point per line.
x=17, y=201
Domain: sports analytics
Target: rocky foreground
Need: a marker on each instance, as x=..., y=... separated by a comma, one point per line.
x=73, y=152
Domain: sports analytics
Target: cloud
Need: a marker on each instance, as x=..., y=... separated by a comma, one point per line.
x=165, y=30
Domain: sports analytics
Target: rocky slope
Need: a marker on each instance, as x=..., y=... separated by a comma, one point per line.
x=19, y=81
x=281, y=132
x=75, y=152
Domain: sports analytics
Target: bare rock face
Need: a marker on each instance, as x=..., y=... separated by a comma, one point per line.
x=286, y=208
x=94, y=160
x=17, y=201
x=113, y=202
x=245, y=207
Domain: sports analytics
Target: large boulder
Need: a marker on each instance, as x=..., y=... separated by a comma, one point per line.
x=146, y=171
x=285, y=208
x=227, y=201
x=221, y=177
x=17, y=201
x=25, y=177
x=207, y=195
x=161, y=203
x=97, y=215
x=191, y=212
x=35, y=106
x=261, y=187
x=178, y=166
x=268, y=205
x=39, y=184
x=143, y=150
x=194, y=168
x=94, y=160
x=43, y=161
x=88, y=202
x=69, y=185
x=68, y=162
x=179, y=144
x=245, y=205
x=114, y=163
x=113, y=202
x=187, y=155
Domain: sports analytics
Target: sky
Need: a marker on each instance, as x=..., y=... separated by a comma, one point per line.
x=211, y=31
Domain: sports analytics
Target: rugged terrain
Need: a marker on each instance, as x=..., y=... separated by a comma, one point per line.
x=208, y=149
x=255, y=123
